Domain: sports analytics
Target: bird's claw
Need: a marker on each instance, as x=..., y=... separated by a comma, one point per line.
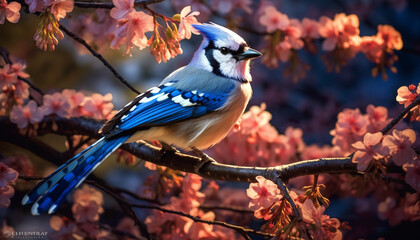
x=204, y=160
x=167, y=148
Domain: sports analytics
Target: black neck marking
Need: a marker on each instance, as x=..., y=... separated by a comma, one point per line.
x=213, y=62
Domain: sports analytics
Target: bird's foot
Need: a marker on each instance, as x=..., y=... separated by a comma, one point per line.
x=204, y=160
x=167, y=148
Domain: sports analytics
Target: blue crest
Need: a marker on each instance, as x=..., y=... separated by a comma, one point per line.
x=214, y=32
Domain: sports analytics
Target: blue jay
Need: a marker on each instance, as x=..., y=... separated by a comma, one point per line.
x=193, y=108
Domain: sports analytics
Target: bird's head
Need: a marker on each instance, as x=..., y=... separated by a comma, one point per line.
x=223, y=52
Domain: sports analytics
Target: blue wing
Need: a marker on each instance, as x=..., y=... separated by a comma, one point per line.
x=164, y=105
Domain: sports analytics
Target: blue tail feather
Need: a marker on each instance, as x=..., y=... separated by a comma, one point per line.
x=53, y=190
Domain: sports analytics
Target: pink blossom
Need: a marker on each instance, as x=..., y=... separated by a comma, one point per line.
x=378, y=118
x=9, y=11
x=23, y=115
x=57, y=104
x=390, y=36
x=274, y=20
x=412, y=176
x=191, y=186
x=128, y=225
x=196, y=5
x=372, y=47
x=406, y=96
x=263, y=193
x=400, y=145
x=322, y=226
x=7, y=175
x=35, y=5
x=20, y=163
x=310, y=28
x=131, y=31
x=76, y=100
x=98, y=106
x=187, y=19
x=59, y=8
x=122, y=8
x=19, y=69
x=63, y=228
x=6, y=193
x=370, y=148
x=87, y=204
x=7, y=77
x=329, y=30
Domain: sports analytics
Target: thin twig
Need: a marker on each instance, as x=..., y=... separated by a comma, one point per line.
x=401, y=115
x=243, y=231
x=6, y=56
x=100, y=57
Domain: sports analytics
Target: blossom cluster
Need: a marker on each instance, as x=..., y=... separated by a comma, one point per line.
x=13, y=90
x=340, y=39
x=255, y=142
x=8, y=177
x=67, y=103
x=406, y=95
x=86, y=209
x=270, y=205
x=180, y=227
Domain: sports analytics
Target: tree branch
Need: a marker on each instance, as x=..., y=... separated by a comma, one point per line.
x=100, y=57
x=138, y=3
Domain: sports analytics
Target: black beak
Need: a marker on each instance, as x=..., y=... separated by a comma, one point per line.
x=247, y=54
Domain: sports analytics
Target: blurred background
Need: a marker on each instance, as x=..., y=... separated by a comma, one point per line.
x=311, y=104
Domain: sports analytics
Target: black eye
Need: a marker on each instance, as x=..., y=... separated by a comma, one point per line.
x=224, y=50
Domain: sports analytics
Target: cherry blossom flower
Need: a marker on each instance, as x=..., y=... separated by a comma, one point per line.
x=400, y=145
x=372, y=47
x=350, y=127
x=59, y=8
x=20, y=163
x=390, y=36
x=323, y=227
x=35, y=5
x=6, y=193
x=274, y=20
x=75, y=100
x=131, y=31
x=7, y=77
x=57, y=104
x=128, y=225
x=7, y=175
x=263, y=193
x=370, y=148
x=87, y=204
x=63, y=228
x=98, y=106
x=406, y=95
x=122, y=8
x=329, y=30
x=412, y=176
x=187, y=19
x=9, y=11
x=23, y=115
x=378, y=118
x=310, y=28
x=196, y=5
